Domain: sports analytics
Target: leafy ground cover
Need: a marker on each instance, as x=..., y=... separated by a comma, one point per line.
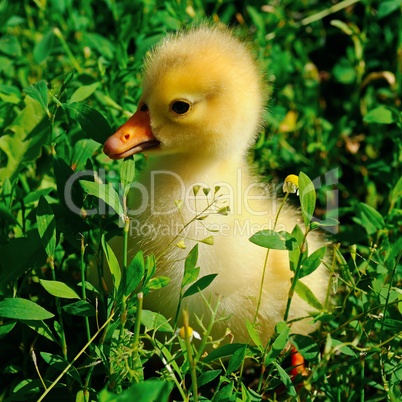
x=70, y=73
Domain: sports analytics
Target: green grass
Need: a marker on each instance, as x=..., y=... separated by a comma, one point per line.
x=334, y=112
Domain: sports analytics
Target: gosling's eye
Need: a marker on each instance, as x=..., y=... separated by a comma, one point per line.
x=180, y=107
x=144, y=108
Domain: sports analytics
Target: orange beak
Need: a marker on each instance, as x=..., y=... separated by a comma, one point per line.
x=132, y=137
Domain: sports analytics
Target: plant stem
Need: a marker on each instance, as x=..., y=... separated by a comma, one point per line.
x=328, y=11
x=123, y=283
x=190, y=356
x=383, y=373
x=296, y=276
x=67, y=49
x=58, y=307
x=329, y=283
x=266, y=261
x=137, y=325
x=75, y=359
x=84, y=296
x=208, y=331
x=183, y=228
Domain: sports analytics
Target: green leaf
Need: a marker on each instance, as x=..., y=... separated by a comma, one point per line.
x=158, y=282
x=6, y=214
x=381, y=115
x=14, y=263
x=10, y=45
x=146, y=391
x=397, y=190
x=388, y=7
x=207, y=376
x=105, y=192
x=43, y=48
x=343, y=348
x=269, y=239
x=6, y=328
x=41, y=328
x=295, y=254
x=135, y=272
x=290, y=242
x=150, y=267
x=307, y=197
x=30, y=130
x=127, y=171
x=80, y=308
x=83, y=149
x=59, y=363
x=152, y=320
x=222, y=351
x=59, y=289
x=257, y=18
x=84, y=92
x=254, y=335
x=112, y=263
x=23, y=309
x=90, y=120
x=306, y=346
x=371, y=218
x=307, y=295
x=328, y=222
x=201, y=284
x=34, y=196
x=189, y=266
x=285, y=379
x=104, y=46
x=344, y=71
x=224, y=394
x=46, y=226
x=237, y=359
x=312, y=262
x=38, y=91
x=278, y=345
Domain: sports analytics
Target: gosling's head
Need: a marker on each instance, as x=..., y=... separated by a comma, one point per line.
x=202, y=93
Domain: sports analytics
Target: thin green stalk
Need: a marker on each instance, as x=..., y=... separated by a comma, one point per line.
x=75, y=359
x=183, y=228
x=83, y=286
x=383, y=374
x=176, y=317
x=74, y=61
x=296, y=276
x=137, y=325
x=328, y=11
x=266, y=261
x=208, y=331
x=190, y=356
x=329, y=283
x=125, y=244
x=124, y=281
x=87, y=384
x=58, y=307
x=159, y=347
x=362, y=399
x=136, y=337
x=37, y=368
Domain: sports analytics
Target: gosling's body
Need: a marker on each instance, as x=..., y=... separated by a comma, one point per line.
x=214, y=73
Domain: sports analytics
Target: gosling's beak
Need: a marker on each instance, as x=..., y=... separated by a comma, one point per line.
x=132, y=137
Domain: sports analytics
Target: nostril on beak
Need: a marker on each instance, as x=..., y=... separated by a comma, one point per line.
x=126, y=137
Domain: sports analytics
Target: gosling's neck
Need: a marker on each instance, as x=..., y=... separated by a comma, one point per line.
x=195, y=167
